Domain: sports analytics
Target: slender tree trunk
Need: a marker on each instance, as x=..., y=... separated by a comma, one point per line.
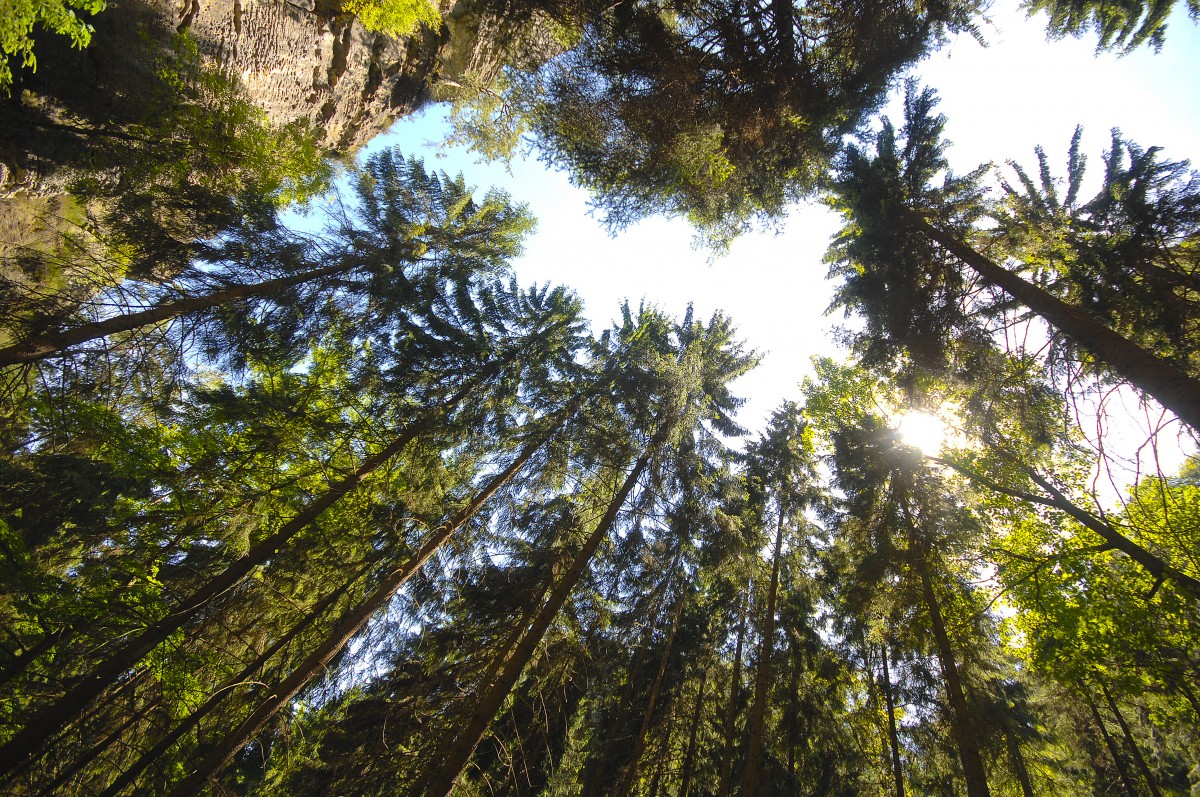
x=965, y=732
x=91, y=754
x=70, y=706
x=893, y=734
x=509, y=665
x=1189, y=695
x=1113, y=751
x=735, y=688
x=1015, y=755
x=689, y=755
x=656, y=781
x=350, y=624
x=43, y=346
x=1173, y=388
x=1134, y=749
x=218, y=697
x=21, y=661
x=639, y=741
x=762, y=678
x=794, y=713
x=1154, y=565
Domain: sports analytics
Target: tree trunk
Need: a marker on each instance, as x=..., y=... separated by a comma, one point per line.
x=1190, y=696
x=43, y=346
x=1014, y=754
x=70, y=706
x=1171, y=387
x=762, y=678
x=91, y=754
x=639, y=741
x=965, y=733
x=218, y=697
x=1134, y=749
x=689, y=756
x=735, y=688
x=506, y=669
x=1113, y=751
x=21, y=661
x=893, y=734
x=220, y=756
x=1154, y=565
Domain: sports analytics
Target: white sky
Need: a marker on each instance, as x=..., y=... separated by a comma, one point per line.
x=1001, y=101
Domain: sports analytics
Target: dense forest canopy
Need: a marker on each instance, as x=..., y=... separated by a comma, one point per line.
x=302, y=491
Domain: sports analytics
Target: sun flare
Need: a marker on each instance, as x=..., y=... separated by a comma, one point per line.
x=922, y=431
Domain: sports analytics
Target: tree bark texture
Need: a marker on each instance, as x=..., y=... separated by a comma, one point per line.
x=511, y=663
x=42, y=346
x=350, y=624
x=1173, y=388
x=965, y=733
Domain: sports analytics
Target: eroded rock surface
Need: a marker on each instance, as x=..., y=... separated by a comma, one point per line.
x=297, y=59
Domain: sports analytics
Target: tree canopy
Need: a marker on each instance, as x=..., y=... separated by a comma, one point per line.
x=330, y=503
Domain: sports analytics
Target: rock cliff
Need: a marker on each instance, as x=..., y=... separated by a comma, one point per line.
x=297, y=59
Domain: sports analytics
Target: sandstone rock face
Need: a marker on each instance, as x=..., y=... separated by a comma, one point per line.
x=297, y=64
x=297, y=59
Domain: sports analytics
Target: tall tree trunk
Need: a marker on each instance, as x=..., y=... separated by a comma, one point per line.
x=762, y=678
x=1114, y=752
x=1153, y=564
x=1173, y=388
x=90, y=755
x=43, y=346
x=689, y=755
x=1015, y=755
x=350, y=624
x=794, y=714
x=965, y=732
x=656, y=781
x=893, y=735
x=731, y=710
x=218, y=697
x=1189, y=695
x=1134, y=749
x=639, y=741
x=508, y=666
x=21, y=661
x=70, y=706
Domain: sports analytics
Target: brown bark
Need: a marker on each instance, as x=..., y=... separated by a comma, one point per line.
x=350, y=624
x=965, y=733
x=1015, y=755
x=1171, y=387
x=1113, y=539
x=689, y=756
x=20, y=662
x=43, y=346
x=46, y=723
x=92, y=753
x=735, y=689
x=1113, y=751
x=639, y=741
x=508, y=666
x=762, y=678
x=1134, y=749
x=893, y=734
x=218, y=697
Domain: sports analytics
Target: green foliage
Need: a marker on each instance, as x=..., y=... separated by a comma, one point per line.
x=394, y=17
x=1127, y=255
x=660, y=109
x=18, y=18
x=1123, y=26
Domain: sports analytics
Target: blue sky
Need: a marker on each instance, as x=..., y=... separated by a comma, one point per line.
x=1001, y=101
